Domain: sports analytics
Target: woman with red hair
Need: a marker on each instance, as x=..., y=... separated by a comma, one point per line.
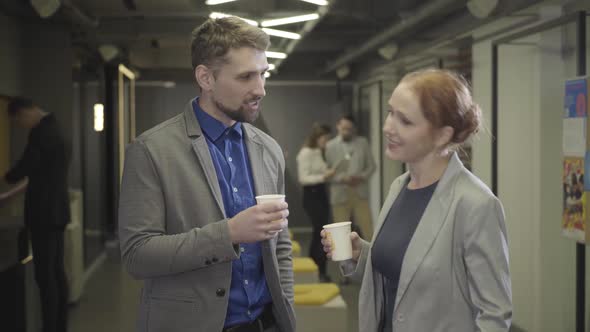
x=438, y=260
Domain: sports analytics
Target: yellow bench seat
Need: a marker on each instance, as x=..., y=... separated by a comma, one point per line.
x=320, y=308
x=305, y=270
x=304, y=264
x=315, y=294
x=296, y=248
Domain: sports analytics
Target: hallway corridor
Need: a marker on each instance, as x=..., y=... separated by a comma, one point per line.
x=109, y=302
x=110, y=299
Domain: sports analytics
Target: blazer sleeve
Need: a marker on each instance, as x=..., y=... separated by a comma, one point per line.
x=356, y=270
x=147, y=251
x=487, y=265
x=29, y=161
x=284, y=248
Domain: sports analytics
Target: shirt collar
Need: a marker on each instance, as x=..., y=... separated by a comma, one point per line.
x=213, y=128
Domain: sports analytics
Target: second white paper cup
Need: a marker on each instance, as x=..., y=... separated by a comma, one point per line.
x=339, y=233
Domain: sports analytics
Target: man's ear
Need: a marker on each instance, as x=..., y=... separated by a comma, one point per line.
x=204, y=77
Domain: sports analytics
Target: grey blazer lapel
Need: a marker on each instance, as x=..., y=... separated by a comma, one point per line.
x=201, y=149
x=430, y=224
x=262, y=182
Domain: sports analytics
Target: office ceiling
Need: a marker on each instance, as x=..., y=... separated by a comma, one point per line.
x=155, y=34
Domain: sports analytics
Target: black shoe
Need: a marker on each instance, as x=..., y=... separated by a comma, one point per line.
x=324, y=278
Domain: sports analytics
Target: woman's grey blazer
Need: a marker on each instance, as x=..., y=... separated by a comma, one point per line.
x=455, y=274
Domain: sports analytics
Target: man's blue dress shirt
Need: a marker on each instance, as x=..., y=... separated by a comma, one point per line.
x=249, y=292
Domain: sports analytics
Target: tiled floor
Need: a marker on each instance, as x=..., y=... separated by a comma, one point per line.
x=109, y=302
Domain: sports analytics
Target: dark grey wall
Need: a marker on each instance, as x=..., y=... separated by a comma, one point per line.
x=36, y=62
x=47, y=71
x=12, y=72
x=157, y=104
x=289, y=110
x=11, y=36
x=94, y=169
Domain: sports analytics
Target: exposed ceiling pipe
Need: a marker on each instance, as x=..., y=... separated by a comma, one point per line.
x=77, y=16
x=427, y=52
x=482, y=8
x=430, y=9
x=130, y=5
x=307, y=28
x=462, y=31
x=47, y=8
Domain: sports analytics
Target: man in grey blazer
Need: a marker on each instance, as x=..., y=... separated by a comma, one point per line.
x=350, y=156
x=210, y=258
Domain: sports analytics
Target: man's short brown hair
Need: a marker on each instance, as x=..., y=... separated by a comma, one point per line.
x=213, y=39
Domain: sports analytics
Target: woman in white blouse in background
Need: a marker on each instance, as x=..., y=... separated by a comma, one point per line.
x=313, y=175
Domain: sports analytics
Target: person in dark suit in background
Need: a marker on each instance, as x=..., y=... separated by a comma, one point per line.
x=42, y=172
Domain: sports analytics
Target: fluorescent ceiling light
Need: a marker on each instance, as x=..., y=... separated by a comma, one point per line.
x=317, y=2
x=108, y=52
x=215, y=15
x=46, y=8
x=276, y=55
x=388, y=51
x=342, y=72
x=289, y=20
x=482, y=8
x=217, y=2
x=266, y=74
x=281, y=33
x=271, y=66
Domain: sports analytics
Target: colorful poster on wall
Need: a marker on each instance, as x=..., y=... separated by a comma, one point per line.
x=576, y=160
x=574, y=137
x=574, y=199
x=576, y=97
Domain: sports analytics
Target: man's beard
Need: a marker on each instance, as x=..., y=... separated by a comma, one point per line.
x=346, y=138
x=241, y=114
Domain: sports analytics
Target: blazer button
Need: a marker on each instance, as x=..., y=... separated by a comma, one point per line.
x=214, y=260
x=220, y=292
x=207, y=262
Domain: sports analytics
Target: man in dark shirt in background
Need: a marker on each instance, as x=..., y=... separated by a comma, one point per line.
x=42, y=170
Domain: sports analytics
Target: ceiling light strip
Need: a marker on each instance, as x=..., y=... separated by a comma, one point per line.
x=216, y=15
x=281, y=33
x=276, y=55
x=289, y=20
x=317, y=2
x=218, y=2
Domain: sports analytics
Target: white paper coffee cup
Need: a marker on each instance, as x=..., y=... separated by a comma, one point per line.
x=339, y=233
x=268, y=199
